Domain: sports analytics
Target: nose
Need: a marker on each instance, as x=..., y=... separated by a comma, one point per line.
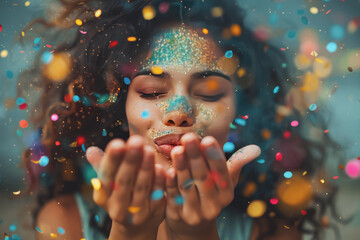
x=179, y=119
x=179, y=112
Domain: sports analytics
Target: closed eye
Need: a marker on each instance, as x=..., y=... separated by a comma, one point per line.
x=150, y=95
x=213, y=98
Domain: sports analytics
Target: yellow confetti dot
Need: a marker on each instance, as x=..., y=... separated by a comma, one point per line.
x=212, y=85
x=256, y=208
x=53, y=235
x=235, y=30
x=27, y=3
x=205, y=31
x=322, y=180
x=295, y=192
x=133, y=209
x=96, y=184
x=98, y=13
x=148, y=12
x=131, y=39
x=314, y=53
x=314, y=10
x=304, y=173
x=59, y=68
x=4, y=53
x=217, y=12
x=16, y=193
x=157, y=70
x=23, y=33
x=241, y=72
x=78, y=22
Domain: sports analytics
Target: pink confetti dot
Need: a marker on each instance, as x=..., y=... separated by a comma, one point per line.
x=274, y=201
x=278, y=156
x=54, y=117
x=294, y=123
x=352, y=168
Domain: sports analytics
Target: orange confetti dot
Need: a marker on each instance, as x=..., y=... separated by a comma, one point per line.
x=23, y=123
x=131, y=39
x=235, y=30
x=205, y=31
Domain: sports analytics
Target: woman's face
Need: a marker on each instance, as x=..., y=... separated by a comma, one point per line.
x=183, y=85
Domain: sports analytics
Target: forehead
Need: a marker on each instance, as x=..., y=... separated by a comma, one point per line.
x=184, y=48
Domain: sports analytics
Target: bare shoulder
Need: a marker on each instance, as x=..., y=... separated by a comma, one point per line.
x=60, y=213
x=282, y=232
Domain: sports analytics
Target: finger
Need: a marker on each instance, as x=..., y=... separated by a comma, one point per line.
x=240, y=158
x=114, y=153
x=218, y=169
x=94, y=155
x=190, y=211
x=125, y=178
x=174, y=199
x=157, y=192
x=139, y=206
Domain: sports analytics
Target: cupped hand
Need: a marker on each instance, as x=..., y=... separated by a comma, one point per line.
x=130, y=187
x=201, y=184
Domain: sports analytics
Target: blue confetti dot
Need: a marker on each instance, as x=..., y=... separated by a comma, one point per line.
x=229, y=147
x=240, y=121
x=331, y=47
x=304, y=20
x=229, y=54
x=145, y=114
x=38, y=229
x=61, y=230
x=47, y=57
x=37, y=40
x=291, y=34
x=96, y=218
x=15, y=237
x=126, y=80
x=12, y=227
x=337, y=32
x=261, y=161
x=44, y=160
x=20, y=101
x=273, y=18
x=283, y=65
x=276, y=89
x=312, y=107
x=288, y=174
x=104, y=133
x=9, y=74
x=18, y=132
x=76, y=98
x=157, y=194
x=188, y=184
x=179, y=200
x=86, y=101
x=83, y=147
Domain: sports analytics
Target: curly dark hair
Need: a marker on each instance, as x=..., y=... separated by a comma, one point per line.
x=96, y=77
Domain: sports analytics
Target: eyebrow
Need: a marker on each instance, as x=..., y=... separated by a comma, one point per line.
x=197, y=75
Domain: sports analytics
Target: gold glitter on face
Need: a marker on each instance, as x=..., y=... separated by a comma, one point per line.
x=182, y=47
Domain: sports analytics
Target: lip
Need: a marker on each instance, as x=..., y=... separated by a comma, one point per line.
x=166, y=143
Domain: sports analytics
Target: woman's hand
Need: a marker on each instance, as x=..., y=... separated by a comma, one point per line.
x=201, y=185
x=131, y=188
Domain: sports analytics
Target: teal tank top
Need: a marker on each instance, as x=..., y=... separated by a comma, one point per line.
x=231, y=225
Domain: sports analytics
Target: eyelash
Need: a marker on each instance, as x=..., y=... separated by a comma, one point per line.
x=208, y=98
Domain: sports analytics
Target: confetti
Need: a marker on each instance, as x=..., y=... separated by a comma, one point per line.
x=164, y=7
x=38, y=229
x=4, y=53
x=229, y=54
x=314, y=10
x=126, y=80
x=76, y=98
x=0, y=27
x=350, y=69
x=331, y=47
x=133, y=209
x=17, y=193
x=104, y=133
x=261, y=161
x=278, y=156
x=148, y=12
x=288, y=174
x=145, y=114
x=352, y=168
x=274, y=201
x=179, y=200
x=229, y=147
x=12, y=227
x=27, y=3
x=304, y=20
x=236, y=30
x=217, y=12
x=157, y=194
x=337, y=32
x=188, y=184
x=9, y=74
x=98, y=13
x=313, y=107
x=294, y=123
x=54, y=117
x=78, y=22
x=256, y=209
x=61, y=230
x=113, y=44
x=276, y=89
x=44, y=161
x=23, y=123
x=156, y=70
x=205, y=31
x=131, y=39
x=80, y=140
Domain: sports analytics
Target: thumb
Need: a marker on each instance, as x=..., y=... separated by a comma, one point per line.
x=239, y=159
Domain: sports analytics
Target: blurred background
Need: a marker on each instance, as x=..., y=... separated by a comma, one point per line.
x=327, y=30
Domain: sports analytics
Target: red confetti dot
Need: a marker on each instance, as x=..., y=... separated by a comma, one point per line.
x=287, y=134
x=245, y=117
x=278, y=156
x=303, y=212
x=326, y=131
x=113, y=44
x=48, y=45
x=0, y=27
x=80, y=140
x=57, y=143
x=335, y=177
x=67, y=98
x=23, y=123
x=274, y=201
x=23, y=106
x=215, y=176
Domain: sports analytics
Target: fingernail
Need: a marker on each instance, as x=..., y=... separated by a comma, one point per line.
x=212, y=153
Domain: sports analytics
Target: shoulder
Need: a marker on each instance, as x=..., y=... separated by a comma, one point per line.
x=283, y=231
x=60, y=212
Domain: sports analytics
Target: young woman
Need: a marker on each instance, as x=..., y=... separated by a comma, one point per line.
x=155, y=92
